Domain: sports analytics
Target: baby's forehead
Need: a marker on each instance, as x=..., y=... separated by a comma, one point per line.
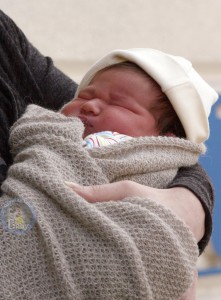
x=126, y=67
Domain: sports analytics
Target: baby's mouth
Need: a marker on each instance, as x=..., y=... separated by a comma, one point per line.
x=84, y=120
x=88, y=126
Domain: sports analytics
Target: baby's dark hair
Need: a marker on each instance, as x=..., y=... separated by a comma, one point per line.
x=163, y=111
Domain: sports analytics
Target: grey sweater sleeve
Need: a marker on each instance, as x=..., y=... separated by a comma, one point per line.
x=196, y=180
x=26, y=76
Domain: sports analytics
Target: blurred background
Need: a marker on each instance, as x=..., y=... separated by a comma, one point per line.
x=75, y=33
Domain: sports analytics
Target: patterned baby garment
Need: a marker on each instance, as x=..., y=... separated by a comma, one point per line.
x=104, y=138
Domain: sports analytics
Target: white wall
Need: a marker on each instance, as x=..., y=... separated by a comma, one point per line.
x=77, y=32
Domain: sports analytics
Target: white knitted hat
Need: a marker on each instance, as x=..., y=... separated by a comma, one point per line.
x=187, y=91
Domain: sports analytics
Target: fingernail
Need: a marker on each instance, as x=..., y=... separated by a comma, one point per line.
x=71, y=184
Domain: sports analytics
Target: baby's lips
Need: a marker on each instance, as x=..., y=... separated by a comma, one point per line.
x=85, y=121
x=88, y=127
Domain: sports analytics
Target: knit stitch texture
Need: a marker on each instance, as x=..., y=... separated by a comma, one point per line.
x=128, y=249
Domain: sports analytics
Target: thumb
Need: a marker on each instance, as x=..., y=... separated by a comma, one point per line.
x=105, y=192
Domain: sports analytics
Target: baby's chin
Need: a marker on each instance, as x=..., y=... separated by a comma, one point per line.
x=88, y=132
x=84, y=135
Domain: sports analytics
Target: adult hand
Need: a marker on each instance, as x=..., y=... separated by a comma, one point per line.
x=179, y=200
x=191, y=292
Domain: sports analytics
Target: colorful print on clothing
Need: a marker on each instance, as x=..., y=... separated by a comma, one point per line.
x=104, y=138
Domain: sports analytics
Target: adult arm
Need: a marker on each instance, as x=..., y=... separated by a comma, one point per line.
x=26, y=76
x=196, y=180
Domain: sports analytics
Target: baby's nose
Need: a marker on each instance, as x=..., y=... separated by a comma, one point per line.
x=93, y=107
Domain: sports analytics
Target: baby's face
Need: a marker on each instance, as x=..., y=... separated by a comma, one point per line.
x=116, y=100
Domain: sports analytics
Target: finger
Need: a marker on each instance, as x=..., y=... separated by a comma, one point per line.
x=191, y=292
x=105, y=192
x=89, y=193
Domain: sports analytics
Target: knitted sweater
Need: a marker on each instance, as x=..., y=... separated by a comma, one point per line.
x=129, y=249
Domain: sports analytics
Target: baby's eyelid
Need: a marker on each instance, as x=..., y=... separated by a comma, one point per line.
x=84, y=96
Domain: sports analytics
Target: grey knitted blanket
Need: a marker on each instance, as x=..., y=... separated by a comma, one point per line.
x=72, y=249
